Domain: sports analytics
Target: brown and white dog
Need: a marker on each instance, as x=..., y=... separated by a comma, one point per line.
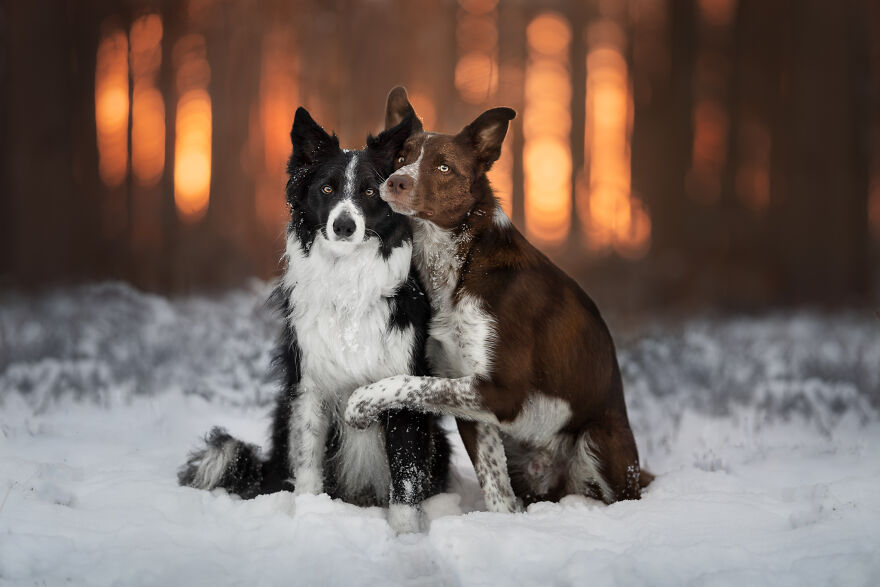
x=524, y=360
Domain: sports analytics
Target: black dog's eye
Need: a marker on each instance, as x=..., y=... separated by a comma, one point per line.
x=327, y=189
x=370, y=191
x=401, y=159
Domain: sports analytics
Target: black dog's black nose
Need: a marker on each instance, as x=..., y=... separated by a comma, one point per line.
x=344, y=226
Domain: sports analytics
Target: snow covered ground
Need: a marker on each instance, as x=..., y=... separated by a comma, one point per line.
x=764, y=433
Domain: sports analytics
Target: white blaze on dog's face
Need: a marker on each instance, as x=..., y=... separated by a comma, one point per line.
x=434, y=174
x=346, y=226
x=334, y=193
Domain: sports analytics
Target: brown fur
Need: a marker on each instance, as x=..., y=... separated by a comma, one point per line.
x=550, y=335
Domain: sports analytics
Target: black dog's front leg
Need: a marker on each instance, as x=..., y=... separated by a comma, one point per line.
x=411, y=455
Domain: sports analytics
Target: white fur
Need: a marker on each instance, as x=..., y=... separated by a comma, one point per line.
x=210, y=469
x=342, y=246
x=404, y=518
x=412, y=169
x=584, y=469
x=347, y=206
x=349, y=189
x=341, y=317
x=362, y=461
x=308, y=436
x=462, y=334
x=539, y=421
x=500, y=218
x=491, y=468
x=539, y=455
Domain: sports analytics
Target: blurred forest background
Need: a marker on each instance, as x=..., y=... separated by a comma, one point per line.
x=668, y=153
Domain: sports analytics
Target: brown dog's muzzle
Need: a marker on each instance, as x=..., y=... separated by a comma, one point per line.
x=400, y=186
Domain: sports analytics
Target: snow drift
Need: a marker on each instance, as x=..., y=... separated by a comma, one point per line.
x=764, y=433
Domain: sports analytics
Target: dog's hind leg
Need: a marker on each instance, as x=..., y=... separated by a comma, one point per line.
x=606, y=463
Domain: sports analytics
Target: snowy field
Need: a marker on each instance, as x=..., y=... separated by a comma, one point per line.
x=764, y=434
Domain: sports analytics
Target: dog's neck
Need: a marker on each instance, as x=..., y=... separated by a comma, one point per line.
x=441, y=255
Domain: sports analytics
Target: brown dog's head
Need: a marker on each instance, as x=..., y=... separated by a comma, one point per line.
x=437, y=176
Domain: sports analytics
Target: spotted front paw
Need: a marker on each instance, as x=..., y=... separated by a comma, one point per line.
x=363, y=407
x=367, y=403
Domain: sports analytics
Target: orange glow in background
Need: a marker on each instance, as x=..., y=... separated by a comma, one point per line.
x=703, y=181
x=501, y=175
x=476, y=72
x=424, y=107
x=111, y=108
x=753, y=176
x=717, y=13
x=709, y=151
x=148, y=106
x=546, y=130
x=279, y=97
x=192, y=142
x=612, y=217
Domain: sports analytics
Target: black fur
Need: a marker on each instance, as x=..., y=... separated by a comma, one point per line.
x=417, y=449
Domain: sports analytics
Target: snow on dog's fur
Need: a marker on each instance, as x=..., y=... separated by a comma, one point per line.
x=353, y=313
x=522, y=355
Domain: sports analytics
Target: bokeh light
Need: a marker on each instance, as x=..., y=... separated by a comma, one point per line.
x=612, y=217
x=476, y=71
x=193, y=129
x=111, y=107
x=148, y=106
x=547, y=161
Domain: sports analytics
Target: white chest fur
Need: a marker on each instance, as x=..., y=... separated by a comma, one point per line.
x=340, y=313
x=341, y=316
x=462, y=333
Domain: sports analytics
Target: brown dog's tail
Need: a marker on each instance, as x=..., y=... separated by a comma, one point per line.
x=645, y=478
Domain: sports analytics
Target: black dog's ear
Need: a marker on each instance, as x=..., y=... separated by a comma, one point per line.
x=486, y=133
x=310, y=142
x=385, y=147
x=398, y=108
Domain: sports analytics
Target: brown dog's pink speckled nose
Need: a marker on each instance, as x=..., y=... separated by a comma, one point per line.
x=400, y=184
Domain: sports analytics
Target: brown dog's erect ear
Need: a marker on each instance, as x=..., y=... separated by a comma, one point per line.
x=398, y=107
x=486, y=133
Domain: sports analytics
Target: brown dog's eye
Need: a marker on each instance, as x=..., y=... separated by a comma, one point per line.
x=400, y=159
x=327, y=189
x=443, y=167
x=370, y=191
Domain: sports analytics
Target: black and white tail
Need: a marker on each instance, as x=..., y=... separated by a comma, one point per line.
x=229, y=463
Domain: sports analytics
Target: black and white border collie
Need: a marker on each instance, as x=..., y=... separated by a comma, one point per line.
x=354, y=313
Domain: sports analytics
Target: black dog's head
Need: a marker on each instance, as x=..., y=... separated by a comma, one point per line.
x=334, y=193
